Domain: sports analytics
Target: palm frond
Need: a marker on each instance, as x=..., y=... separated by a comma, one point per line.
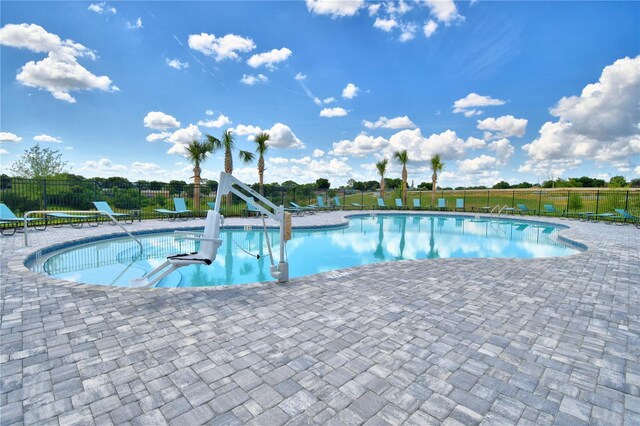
x=246, y=156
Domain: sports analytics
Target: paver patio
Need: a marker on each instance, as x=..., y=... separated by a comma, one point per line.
x=453, y=341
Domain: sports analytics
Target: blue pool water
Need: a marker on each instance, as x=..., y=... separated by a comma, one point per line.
x=367, y=239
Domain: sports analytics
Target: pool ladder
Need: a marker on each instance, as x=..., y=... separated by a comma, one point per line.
x=494, y=209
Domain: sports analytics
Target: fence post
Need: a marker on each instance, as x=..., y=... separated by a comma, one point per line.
x=139, y=198
x=568, y=196
x=626, y=201
x=513, y=198
x=464, y=200
x=597, y=199
x=539, y=201
x=488, y=192
x=44, y=194
x=282, y=195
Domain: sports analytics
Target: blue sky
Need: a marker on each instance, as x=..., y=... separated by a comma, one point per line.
x=509, y=91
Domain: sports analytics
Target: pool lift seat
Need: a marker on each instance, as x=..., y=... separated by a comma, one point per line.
x=210, y=239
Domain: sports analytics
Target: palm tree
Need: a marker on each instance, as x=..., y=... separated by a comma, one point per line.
x=229, y=144
x=382, y=169
x=197, y=152
x=436, y=165
x=261, y=148
x=403, y=158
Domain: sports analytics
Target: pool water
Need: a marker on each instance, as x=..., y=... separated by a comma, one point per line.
x=367, y=239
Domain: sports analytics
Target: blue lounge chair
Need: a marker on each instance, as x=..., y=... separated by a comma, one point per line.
x=357, y=205
x=399, y=203
x=381, y=203
x=74, y=220
x=308, y=209
x=252, y=209
x=103, y=206
x=169, y=214
x=7, y=216
x=522, y=209
x=211, y=204
x=337, y=203
x=416, y=203
x=460, y=204
x=442, y=204
x=626, y=216
x=321, y=205
x=181, y=207
x=549, y=209
x=4, y=230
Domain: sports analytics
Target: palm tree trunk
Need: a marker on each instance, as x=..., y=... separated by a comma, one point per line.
x=404, y=185
x=382, y=188
x=261, y=173
x=434, y=181
x=228, y=169
x=196, y=189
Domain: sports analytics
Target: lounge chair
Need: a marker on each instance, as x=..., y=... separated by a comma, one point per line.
x=4, y=230
x=7, y=216
x=460, y=204
x=181, y=207
x=169, y=214
x=416, y=203
x=357, y=205
x=103, y=206
x=321, y=205
x=74, y=220
x=308, y=209
x=337, y=203
x=251, y=208
x=549, y=209
x=211, y=204
x=296, y=211
x=399, y=203
x=522, y=209
x=381, y=203
x=626, y=216
x=442, y=204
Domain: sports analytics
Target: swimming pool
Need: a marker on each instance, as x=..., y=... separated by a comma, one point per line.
x=366, y=239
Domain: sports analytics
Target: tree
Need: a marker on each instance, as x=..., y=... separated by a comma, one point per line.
x=323, y=183
x=228, y=143
x=635, y=183
x=617, y=182
x=36, y=163
x=403, y=158
x=382, y=169
x=436, y=165
x=261, y=148
x=176, y=186
x=501, y=185
x=197, y=152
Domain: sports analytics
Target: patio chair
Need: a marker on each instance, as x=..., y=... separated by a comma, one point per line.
x=170, y=214
x=442, y=204
x=103, y=206
x=337, y=202
x=357, y=205
x=381, y=203
x=296, y=211
x=399, y=203
x=321, y=205
x=416, y=204
x=549, y=209
x=522, y=209
x=251, y=208
x=4, y=230
x=460, y=204
x=626, y=216
x=7, y=216
x=211, y=204
x=181, y=207
x=68, y=219
x=308, y=209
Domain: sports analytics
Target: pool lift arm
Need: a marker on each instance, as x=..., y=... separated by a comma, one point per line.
x=210, y=239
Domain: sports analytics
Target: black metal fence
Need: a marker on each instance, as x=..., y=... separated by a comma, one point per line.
x=22, y=195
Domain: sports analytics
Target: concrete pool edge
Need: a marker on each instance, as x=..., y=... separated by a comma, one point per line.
x=342, y=219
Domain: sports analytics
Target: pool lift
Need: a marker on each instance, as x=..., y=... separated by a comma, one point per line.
x=210, y=239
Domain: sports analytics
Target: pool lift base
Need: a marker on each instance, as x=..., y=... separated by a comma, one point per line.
x=210, y=239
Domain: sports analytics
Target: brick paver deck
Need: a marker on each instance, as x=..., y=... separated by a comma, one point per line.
x=454, y=341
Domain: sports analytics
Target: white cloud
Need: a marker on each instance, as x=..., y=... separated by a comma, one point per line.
x=474, y=165
x=600, y=124
x=301, y=170
x=300, y=77
x=154, y=137
x=374, y=8
x=329, y=100
x=186, y=135
x=444, y=10
x=158, y=120
x=250, y=79
x=385, y=24
x=222, y=120
x=137, y=170
x=504, y=150
x=400, y=8
x=473, y=100
x=421, y=149
x=390, y=123
x=281, y=136
x=333, y=112
x=408, y=31
x=9, y=137
x=249, y=130
x=101, y=8
x=475, y=143
x=58, y=73
x=136, y=25
x=361, y=146
x=226, y=47
x=47, y=138
x=177, y=64
x=269, y=59
x=430, y=28
x=209, y=112
x=3, y=151
x=317, y=153
x=350, y=91
x=335, y=8
x=504, y=126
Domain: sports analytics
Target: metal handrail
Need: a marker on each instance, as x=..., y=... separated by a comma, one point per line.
x=494, y=209
x=104, y=213
x=503, y=207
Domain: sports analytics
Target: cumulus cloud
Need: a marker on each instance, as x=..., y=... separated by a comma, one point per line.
x=137, y=170
x=158, y=120
x=221, y=48
x=102, y=8
x=333, y=112
x=269, y=59
x=59, y=73
x=385, y=24
x=350, y=91
x=222, y=120
x=600, y=124
x=250, y=79
x=444, y=10
x=328, y=100
x=183, y=137
x=47, y=138
x=300, y=77
x=448, y=144
x=478, y=164
x=430, y=28
x=135, y=25
x=3, y=151
x=468, y=104
x=177, y=64
x=9, y=137
x=317, y=153
x=281, y=136
x=335, y=8
x=408, y=31
x=504, y=127
x=246, y=130
x=154, y=137
x=304, y=169
x=390, y=123
x=503, y=149
x=361, y=146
